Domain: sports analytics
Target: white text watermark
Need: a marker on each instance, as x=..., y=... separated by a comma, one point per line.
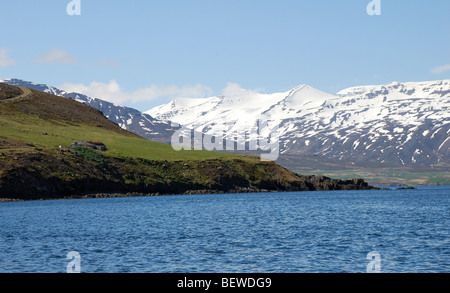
x=374, y=265
x=74, y=266
x=261, y=135
x=374, y=8
x=74, y=8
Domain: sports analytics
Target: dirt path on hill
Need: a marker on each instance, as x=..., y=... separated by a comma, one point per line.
x=26, y=93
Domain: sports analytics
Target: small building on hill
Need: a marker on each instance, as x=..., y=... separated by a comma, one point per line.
x=96, y=145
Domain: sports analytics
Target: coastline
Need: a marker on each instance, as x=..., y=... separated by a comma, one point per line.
x=142, y=194
x=189, y=192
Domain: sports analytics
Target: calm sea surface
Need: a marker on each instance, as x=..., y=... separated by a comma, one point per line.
x=254, y=233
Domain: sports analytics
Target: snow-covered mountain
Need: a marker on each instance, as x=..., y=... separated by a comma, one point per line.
x=397, y=124
x=128, y=118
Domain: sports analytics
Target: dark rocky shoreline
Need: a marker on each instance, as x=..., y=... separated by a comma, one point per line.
x=315, y=183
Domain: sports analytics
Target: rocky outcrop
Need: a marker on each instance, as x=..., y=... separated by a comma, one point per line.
x=325, y=183
x=95, y=145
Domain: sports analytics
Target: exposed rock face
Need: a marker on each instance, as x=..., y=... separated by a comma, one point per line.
x=325, y=183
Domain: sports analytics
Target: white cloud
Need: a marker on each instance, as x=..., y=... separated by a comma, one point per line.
x=234, y=89
x=441, y=69
x=113, y=92
x=5, y=60
x=56, y=56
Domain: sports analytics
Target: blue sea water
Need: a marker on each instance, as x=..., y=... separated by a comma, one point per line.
x=295, y=232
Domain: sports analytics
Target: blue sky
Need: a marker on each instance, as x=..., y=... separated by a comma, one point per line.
x=142, y=53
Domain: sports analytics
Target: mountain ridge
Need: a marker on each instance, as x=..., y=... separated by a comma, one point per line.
x=396, y=124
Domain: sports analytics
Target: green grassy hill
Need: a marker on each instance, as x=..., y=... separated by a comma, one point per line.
x=50, y=121
x=35, y=162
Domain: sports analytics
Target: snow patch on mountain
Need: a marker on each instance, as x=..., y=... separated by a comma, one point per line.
x=374, y=123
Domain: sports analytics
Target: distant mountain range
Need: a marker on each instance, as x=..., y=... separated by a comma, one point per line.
x=392, y=125
x=128, y=118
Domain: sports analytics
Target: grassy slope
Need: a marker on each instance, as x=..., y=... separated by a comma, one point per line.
x=47, y=134
x=48, y=121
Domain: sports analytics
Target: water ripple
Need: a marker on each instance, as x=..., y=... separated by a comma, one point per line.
x=272, y=232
